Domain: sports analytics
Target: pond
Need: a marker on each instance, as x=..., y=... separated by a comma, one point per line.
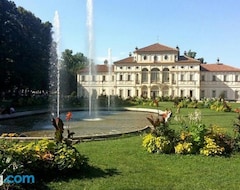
x=107, y=122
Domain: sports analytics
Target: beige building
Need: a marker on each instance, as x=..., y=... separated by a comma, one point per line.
x=220, y=80
x=158, y=70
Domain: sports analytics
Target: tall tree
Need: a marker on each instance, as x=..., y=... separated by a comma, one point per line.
x=71, y=63
x=24, y=49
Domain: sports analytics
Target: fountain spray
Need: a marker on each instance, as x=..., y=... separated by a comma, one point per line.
x=90, y=51
x=56, y=37
x=110, y=75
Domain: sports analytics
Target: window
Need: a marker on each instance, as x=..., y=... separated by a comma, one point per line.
x=202, y=95
x=173, y=79
x=129, y=77
x=176, y=58
x=182, y=93
x=129, y=67
x=165, y=75
x=144, y=75
x=93, y=78
x=103, y=78
x=155, y=58
x=166, y=57
x=129, y=93
x=144, y=57
x=191, y=93
x=83, y=78
x=120, y=92
x=121, y=77
x=213, y=78
x=203, y=78
x=137, y=93
x=191, y=77
x=236, y=78
x=225, y=78
x=213, y=93
x=182, y=77
x=155, y=75
x=137, y=79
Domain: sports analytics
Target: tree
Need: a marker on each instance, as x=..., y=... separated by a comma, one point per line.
x=71, y=64
x=24, y=49
x=191, y=54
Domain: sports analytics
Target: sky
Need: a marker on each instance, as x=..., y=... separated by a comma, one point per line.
x=209, y=28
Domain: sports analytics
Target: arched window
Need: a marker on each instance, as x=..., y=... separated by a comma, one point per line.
x=144, y=75
x=137, y=79
x=165, y=75
x=154, y=92
x=155, y=75
x=144, y=92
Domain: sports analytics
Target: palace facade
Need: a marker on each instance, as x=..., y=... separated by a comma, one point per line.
x=159, y=70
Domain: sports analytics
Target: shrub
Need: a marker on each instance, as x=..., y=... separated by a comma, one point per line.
x=211, y=148
x=157, y=144
x=39, y=156
x=183, y=148
x=193, y=138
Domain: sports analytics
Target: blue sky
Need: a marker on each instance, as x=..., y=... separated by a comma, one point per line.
x=210, y=28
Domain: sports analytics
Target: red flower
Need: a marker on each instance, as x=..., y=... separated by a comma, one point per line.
x=68, y=116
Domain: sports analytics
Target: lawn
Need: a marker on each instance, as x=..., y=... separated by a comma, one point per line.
x=122, y=163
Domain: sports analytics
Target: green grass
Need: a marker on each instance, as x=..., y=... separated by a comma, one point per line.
x=124, y=164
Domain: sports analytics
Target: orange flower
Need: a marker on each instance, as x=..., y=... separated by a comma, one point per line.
x=68, y=116
x=237, y=110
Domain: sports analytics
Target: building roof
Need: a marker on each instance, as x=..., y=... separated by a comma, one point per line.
x=156, y=48
x=186, y=59
x=218, y=67
x=99, y=68
x=125, y=60
x=182, y=59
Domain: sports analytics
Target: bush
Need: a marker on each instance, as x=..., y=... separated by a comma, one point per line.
x=41, y=157
x=193, y=138
x=157, y=144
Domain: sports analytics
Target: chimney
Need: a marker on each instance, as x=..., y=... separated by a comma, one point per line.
x=178, y=51
x=105, y=62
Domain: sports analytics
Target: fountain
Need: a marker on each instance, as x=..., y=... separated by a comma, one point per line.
x=116, y=122
x=109, y=74
x=55, y=64
x=91, y=65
